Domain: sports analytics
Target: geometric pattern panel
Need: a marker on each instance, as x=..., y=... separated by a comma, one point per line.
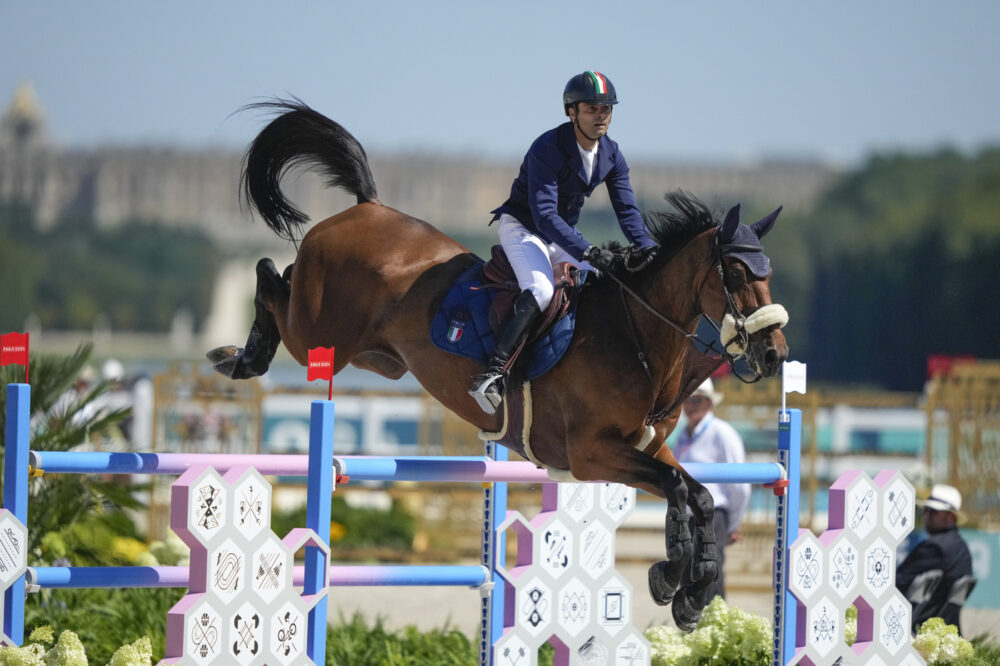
x=241, y=606
x=13, y=559
x=563, y=588
x=854, y=563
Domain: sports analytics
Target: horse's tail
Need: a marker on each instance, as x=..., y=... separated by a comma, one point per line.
x=300, y=137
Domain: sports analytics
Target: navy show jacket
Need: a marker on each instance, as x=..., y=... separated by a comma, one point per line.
x=550, y=188
x=945, y=550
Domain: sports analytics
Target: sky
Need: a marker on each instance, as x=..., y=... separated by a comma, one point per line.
x=715, y=81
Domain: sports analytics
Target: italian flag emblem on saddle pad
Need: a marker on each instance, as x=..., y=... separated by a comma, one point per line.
x=455, y=330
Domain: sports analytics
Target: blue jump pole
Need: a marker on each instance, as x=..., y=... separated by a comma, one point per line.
x=319, y=490
x=100, y=462
x=786, y=529
x=15, y=494
x=403, y=575
x=71, y=578
x=494, y=555
x=473, y=469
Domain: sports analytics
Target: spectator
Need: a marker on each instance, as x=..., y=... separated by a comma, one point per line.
x=944, y=550
x=708, y=439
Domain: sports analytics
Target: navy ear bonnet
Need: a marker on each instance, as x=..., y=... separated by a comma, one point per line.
x=742, y=242
x=746, y=248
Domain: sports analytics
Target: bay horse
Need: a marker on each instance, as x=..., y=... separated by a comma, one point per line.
x=369, y=280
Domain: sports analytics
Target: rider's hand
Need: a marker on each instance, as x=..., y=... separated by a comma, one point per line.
x=639, y=258
x=599, y=258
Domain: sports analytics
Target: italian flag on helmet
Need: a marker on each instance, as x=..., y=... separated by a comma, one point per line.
x=591, y=87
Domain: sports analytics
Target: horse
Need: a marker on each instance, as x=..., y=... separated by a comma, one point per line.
x=369, y=279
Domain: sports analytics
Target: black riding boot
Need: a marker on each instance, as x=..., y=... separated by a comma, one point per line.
x=488, y=387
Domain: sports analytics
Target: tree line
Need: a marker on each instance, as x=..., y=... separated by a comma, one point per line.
x=898, y=260
x=135, y=277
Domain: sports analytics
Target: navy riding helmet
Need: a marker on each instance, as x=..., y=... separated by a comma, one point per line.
x=589, y=87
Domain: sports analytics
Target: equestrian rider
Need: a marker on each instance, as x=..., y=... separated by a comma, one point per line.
x=537, y=222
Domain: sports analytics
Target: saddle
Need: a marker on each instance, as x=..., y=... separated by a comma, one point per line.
x=479, y=303
x=498, y=274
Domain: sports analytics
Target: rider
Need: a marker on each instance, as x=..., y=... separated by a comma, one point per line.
x=538, y=220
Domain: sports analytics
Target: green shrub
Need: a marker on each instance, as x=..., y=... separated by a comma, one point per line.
x=70, y=651
x=105, y=619
x=728, y=636
x=357, y=527
x=724, y=635
x=939, y=643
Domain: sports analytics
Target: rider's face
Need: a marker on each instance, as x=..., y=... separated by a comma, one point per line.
x=593, y=119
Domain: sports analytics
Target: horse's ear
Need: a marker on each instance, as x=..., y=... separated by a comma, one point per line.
x=730, y=224
x=762, y=226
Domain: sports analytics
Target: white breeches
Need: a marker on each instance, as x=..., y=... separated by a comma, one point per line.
x=532, y=259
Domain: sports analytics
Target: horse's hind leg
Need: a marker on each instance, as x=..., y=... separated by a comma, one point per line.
x=255, y=358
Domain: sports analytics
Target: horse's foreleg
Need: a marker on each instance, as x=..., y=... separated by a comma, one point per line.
x=255, y=358
x=666, y=576
x=704, y=563
x=633, y=467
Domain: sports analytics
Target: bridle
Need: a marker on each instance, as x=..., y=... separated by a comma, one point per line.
x=735, y=331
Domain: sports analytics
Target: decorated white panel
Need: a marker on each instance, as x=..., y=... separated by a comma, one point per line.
x=565, y=587
x=856, y=564
x=245, y=609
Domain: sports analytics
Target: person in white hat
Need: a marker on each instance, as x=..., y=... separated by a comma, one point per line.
x=708, y=439
x=943, y=549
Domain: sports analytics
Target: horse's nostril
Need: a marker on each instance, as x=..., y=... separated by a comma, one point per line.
x=771, y=357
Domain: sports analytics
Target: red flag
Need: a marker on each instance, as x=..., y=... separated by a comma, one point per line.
x=320, y=363
x=14, y=349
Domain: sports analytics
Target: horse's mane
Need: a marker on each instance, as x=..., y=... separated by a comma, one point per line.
x=672, y=229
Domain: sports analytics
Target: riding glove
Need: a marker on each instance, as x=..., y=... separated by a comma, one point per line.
x=599, y=258
x=638, y=258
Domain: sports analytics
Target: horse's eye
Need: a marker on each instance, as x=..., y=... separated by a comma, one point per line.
x=735, y=277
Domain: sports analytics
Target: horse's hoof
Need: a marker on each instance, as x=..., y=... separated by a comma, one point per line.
x=220, y=354
x=686, y=614
x=224, y=359
x=704, y=573
x=662, y=586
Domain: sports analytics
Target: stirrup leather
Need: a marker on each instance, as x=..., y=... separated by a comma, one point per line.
x=488, y=387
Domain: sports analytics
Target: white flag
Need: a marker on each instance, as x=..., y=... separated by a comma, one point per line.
x=793, y=377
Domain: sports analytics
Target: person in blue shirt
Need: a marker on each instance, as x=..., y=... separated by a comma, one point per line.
x=537, y=223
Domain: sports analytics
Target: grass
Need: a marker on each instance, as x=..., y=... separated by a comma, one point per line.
x=354, y=642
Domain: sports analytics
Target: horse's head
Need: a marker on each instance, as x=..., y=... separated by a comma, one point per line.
x=751, y=323
x=730, y=275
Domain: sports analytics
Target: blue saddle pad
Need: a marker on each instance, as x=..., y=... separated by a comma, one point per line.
x=462, y=326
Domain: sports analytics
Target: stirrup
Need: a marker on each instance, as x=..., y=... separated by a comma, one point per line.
x=488, y=391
